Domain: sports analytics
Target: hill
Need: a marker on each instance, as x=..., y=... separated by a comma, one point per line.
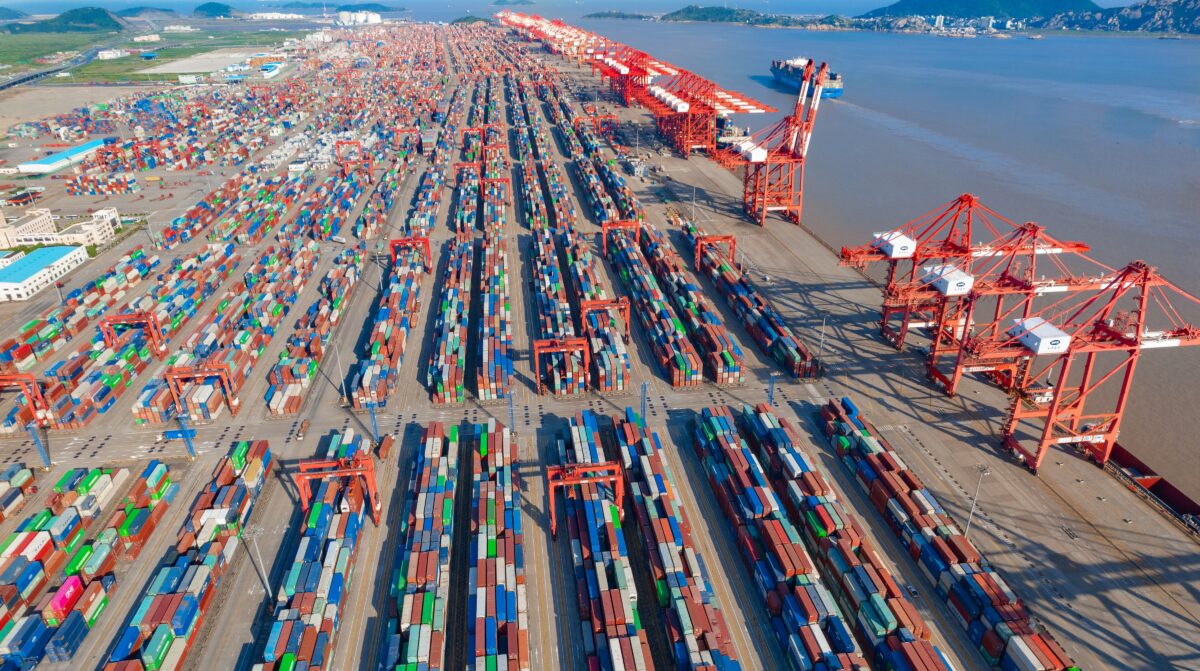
x=145, y=12
x=470, y=19
x=616, y=14
x=1001, y=9
x=81, y=20
x=1169, y=16
x=214, y=10
x=8, y=14
x=746, y=16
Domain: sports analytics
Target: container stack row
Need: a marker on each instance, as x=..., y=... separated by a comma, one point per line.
x=885, y=620
x=16, y=485
x=232, y=337
x=423, y=217
x=102, y=185
x=90, y=380
x=723, y=360
x=466, y=209
x=41, y=337
x=696, y=627
x=807, y=621
x=768, y=328
x=610, y=356
x=445, y=374
x=261, y=210
x=979, y=599
x=167, y=619
x=89, y=577
x=291, y=376
x=497, y=615
x=610, y=625
x=327, y=207
x=49, y=548
x=310, y=602
x=374, y=376
x=494, y=371
x=676, y=356
x=200, y=216
x=421, y=583
x=563, y=373
x=373, y=218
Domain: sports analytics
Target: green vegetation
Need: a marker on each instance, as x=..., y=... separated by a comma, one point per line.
x=1001, y=9
x=616, y=14
x=130, y=68
x=81, y=20
x=136, y=12
x=8, y=14
x=745, y=16
x=470, y=19
x=21, y=50
x=214, y=10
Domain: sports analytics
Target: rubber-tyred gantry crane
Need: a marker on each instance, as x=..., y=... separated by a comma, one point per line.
x=603, y=473
x=359, y=469
x=564, y=346
x=176, y=376
x=148, y=323
x=28, y=385
x=350, y=155
x=621, y=305
x=703, y=242
x=1108, y=329
x=417, y=242
x=622, y=225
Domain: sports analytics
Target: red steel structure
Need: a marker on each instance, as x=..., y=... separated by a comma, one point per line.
x=176, y=376
x=146, y=320
x=623, y=225
x=360, y=469
x=28, y=385
x=706, y=241
x=621, y=305
x=1053, y=391
x=603, y=473
x=565, y=346
x=350, y=155
x=417, y=242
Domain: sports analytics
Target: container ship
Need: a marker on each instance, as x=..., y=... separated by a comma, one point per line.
x=791, y=73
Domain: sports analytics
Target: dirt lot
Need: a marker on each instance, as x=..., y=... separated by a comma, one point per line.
x=29, y=103
x=213, y=60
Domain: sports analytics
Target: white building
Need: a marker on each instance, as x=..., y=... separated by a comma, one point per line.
x=275, y=16
x=111, y=54
x=24, y=278
x=358, y=18
x=939, y=22
x=147, y=38
x=9, y=257
x=37, y=228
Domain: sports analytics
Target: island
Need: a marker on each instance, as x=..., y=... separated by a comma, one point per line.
x=9, y=14
x=1154, y=16
x=467, y=20
x=616, y=14
x=80, y=20
x=214, y=10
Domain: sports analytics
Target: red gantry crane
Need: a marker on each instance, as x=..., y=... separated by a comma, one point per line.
x=28, y=385
x=565, y=347
x=146, y=320
x=350, y=155
x=358, y=469
x=176, y=376
x=604, y=473
x=1105, y=330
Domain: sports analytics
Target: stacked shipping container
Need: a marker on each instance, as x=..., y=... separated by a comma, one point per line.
x=445, y=374
x=978, y=597
x=374, y=376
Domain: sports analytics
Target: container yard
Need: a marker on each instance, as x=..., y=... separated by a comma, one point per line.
x=409, y=369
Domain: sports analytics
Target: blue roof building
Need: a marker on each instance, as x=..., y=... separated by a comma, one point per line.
x=25, y=277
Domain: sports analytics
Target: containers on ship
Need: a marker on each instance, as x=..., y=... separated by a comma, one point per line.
x=165, y=622
x=290, y=378
x=722, y=356
x=445, y=372
x=421, y=583
x=497, y=615
x=756, y=313
x=374, y=376
x=696, y=626
x=316, y=584
x=613, y=637
x=978, y=597
x=809, y=624
x=674, y=353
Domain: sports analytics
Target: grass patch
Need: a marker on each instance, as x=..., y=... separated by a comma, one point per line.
x=130, y=68
x=18, y=50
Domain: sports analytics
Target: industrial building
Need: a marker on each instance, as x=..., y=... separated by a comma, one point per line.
x=60, y=160
x=9, y=257
x=37, y=228
x=37, y=270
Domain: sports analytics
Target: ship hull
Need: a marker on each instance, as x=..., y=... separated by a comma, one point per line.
x=788, y=80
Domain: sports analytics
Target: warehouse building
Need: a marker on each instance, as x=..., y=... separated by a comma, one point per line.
x=9, y=257
x=37, y=270
x=37, y=228
x=60, y=160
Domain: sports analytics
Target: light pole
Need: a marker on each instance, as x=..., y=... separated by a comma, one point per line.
x=693, y=203
x=984, y=471
x=821, y=344
x=341, y=371
x=253, y=532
